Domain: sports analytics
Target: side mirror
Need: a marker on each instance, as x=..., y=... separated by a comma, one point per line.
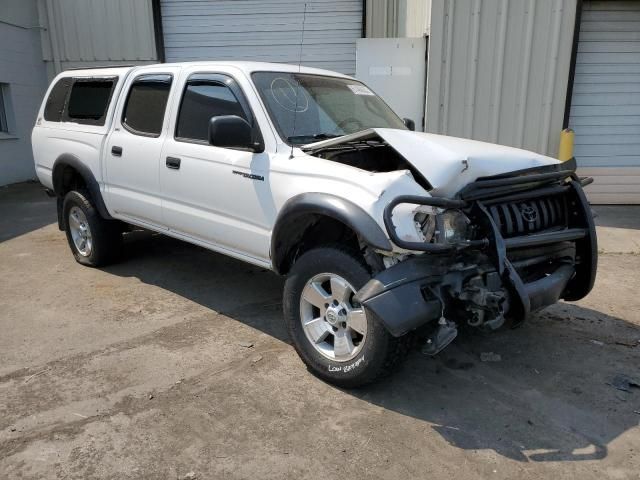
x=410, y=124
x=231, y=131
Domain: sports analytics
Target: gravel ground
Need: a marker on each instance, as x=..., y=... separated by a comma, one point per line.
x=174, y=363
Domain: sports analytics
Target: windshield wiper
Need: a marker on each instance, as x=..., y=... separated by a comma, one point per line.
x=317, y=136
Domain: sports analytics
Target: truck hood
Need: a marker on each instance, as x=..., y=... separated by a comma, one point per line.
x=447, y=163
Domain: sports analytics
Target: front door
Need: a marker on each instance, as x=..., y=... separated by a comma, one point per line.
x=217, y=196
x=134, y=146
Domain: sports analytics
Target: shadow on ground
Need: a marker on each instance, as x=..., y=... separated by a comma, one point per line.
x=24, y=207
x=548, y=399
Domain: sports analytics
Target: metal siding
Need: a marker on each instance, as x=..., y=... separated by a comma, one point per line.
x=605, y=107
x=418, y=18
x=87, y=33
x=398, y=18
x=378, y=22
x=498, y=70
x=267, y=30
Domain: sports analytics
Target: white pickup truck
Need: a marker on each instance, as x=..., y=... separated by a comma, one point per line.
x=384, y=234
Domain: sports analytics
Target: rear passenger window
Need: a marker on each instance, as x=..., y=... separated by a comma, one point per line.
x=57, y=98
x=202, y=100
x=144, y=111
x=89, y=100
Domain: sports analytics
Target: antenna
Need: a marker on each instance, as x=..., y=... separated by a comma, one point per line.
x=295, y=110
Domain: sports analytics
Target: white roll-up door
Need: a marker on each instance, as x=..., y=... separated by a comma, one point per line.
x=605, y=106
x=263, y=30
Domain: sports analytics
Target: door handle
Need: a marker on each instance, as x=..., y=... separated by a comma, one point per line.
x=173, y=163
x=116, y=151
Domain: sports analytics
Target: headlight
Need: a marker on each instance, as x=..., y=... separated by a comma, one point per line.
x=455, y=226
x=431, y=225
x=425, y=225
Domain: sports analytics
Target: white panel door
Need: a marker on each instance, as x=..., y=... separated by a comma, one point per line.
x=264, y=30
x=605, y=106
x=395, y=68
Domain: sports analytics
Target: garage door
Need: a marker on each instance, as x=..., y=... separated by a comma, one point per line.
x=605, y=107
x=263, y=30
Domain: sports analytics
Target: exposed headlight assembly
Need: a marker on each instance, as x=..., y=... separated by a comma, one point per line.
x=448, y=226
x=425, y=222
x=455, y=226
x=428, y=224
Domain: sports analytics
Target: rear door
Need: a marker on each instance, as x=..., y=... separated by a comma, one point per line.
x=132, y=152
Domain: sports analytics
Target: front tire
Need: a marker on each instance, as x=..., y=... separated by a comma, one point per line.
x=333, y=335
x=94, y=241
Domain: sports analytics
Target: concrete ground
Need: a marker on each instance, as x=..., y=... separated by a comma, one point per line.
x=143, y=370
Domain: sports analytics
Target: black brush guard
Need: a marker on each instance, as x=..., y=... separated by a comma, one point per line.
x=401, y=296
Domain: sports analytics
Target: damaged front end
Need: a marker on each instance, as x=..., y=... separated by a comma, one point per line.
x=529, y=241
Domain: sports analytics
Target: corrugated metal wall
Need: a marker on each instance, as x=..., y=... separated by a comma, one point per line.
x=605, y=108
x=264, y=30
x=498, y=70
x=398, y=18
x=80, y=33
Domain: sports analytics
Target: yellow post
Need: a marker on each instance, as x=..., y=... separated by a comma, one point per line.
x=566, y=145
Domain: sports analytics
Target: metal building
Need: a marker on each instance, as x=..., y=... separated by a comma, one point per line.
x=514, y=72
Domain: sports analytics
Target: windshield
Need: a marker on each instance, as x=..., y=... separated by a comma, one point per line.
x=308, y=108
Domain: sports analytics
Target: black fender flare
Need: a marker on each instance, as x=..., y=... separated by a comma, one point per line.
x=328, y=205
x=69, y=160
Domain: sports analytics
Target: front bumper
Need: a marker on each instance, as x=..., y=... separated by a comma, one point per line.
x=490, y=279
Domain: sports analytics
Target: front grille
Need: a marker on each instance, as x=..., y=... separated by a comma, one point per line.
x=521, y=217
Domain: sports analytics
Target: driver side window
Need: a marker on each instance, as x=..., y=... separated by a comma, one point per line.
x=203, y=99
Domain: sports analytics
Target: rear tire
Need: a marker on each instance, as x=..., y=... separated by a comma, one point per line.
x=317, y=322
x=94, y=241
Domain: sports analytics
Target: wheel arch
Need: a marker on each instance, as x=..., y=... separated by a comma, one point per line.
x=67, y=171
x=303, y=211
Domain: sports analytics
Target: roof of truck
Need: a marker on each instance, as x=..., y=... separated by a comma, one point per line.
x=246, y=67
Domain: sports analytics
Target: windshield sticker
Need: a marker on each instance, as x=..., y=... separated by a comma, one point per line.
x=360, y=89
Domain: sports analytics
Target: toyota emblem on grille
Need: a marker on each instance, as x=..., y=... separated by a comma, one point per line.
x=528, y=213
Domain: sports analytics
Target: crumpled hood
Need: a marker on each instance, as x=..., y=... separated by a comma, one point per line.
x=449, y=163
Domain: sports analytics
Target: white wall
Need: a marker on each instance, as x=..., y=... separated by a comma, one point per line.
x=22, y=68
